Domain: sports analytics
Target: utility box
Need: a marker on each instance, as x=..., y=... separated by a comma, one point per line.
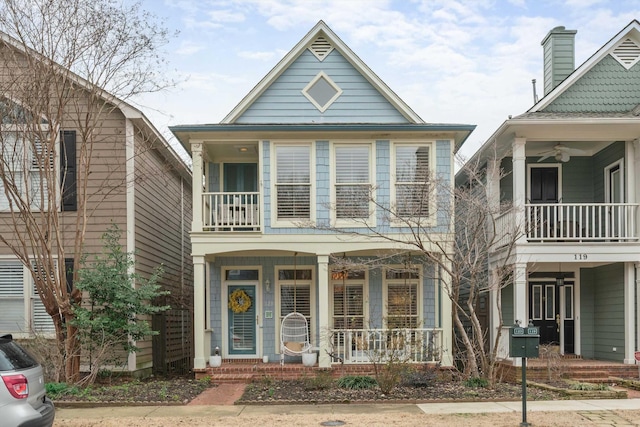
x=524, y=341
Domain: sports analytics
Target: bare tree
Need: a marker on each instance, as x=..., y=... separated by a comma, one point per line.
x=455, y=229
x=66, y=65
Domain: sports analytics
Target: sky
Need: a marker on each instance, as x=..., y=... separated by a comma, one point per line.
x=451, y=61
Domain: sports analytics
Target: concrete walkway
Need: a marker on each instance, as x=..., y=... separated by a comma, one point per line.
x=427, y=408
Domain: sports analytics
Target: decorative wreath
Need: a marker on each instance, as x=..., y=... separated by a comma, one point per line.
x=239, y=301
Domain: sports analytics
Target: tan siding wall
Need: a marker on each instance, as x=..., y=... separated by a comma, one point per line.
x=162, y=220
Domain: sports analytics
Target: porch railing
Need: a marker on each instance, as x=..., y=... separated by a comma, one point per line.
x=226, y=211
x=364, y=346
x=581, y=222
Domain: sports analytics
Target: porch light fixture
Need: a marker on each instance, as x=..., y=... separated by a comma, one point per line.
x=560, y=281
x=267, y=285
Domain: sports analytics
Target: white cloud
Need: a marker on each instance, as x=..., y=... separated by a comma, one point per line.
x=188, y=47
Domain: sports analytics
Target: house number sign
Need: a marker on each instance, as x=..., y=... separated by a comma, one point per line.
x=579, y=257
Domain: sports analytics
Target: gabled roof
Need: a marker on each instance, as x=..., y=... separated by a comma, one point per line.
x=129, y=111
x=633, y=28
x=322, y=29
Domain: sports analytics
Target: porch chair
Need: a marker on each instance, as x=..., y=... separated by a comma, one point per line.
x=294, y=336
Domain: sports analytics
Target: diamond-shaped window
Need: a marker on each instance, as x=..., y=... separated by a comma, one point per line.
x=322, y=91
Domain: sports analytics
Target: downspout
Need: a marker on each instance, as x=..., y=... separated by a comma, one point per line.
x=130, y=204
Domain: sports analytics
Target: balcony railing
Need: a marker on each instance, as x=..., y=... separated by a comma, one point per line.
x=363, y=346
x=225, y=211
x=581, y=222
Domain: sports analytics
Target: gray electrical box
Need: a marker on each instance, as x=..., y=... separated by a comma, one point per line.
x=524, y=341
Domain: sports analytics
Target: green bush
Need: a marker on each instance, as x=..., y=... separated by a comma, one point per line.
x=322, y=381
x=355, y=382
x=420, y=378
x=55, y=390
x=477, y=382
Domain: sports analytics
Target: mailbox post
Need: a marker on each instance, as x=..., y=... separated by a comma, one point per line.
x=524, y=342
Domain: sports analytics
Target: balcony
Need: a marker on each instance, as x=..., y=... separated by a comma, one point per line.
x=365, y=346
x=571, y=222
x=231, y=212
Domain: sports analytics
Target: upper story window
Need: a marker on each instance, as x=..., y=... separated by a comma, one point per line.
x=352, y=181
x=26, y=166
x=293, y=182
x=412, y=185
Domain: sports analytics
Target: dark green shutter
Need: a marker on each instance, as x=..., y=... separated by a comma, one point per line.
x=68, y=268
x=68, y=170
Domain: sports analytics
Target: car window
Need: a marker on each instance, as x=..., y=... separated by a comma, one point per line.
x=12, y=356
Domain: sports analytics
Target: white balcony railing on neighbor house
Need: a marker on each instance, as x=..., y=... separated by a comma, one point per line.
x=571, y=222
x=353, y=346
x=225, y=211
x=581, y=222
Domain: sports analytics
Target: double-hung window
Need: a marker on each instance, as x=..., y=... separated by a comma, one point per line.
x=352, y=182
x=403, y=295
x=413, y=188
x=348, y=299
x=293, y=182
x=296, y=292
x=16, y=287
x=26, y=165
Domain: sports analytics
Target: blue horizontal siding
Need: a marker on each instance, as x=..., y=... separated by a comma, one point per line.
x=283, y=101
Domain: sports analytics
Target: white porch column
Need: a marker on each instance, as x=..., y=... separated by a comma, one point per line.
x=494, y=314
x=637, y=265
x=519, y=175
x=520, y=298
x=198, y=172
x=324, y=361
x=202, y=354
x=629, y=313
x=493, y=185
x=446, y=316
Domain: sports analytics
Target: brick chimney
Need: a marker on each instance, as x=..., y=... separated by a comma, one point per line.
x=559, y=56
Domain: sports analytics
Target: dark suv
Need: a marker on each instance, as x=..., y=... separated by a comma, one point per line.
x=22, y=397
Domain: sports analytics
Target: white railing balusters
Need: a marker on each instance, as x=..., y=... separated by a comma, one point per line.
x=230, y=211
x=363, y=346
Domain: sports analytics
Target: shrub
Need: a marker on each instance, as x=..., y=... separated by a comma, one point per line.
x=421, y=378
x=575, y=385
x=477, y=382
x=357, y=382
x=322, y=381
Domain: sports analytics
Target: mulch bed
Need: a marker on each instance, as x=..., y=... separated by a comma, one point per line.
x=298, y=391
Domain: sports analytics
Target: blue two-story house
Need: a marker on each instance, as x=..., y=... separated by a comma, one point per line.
x=292, y=195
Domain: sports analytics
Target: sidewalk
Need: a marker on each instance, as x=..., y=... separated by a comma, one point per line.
x=405, y=408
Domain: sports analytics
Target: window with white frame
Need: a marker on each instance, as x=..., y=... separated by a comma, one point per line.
x=352, y=181
x=402, y=295
x=348, y=288
x=296, y=292
x=293, y=181
x=16, y=287
x=412, y=180
x=25, y=165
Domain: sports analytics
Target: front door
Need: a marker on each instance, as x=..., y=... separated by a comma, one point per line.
x=242, y=319
x=551, y=310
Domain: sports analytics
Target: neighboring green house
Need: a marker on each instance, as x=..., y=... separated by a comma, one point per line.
x=302, y=151
x=572, y=166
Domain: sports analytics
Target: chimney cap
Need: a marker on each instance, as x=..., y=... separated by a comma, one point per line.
x=559, y=30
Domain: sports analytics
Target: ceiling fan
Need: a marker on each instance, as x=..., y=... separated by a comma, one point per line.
x=560, y=152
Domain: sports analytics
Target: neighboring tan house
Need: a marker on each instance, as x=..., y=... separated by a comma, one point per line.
x=136, y=181
x=285, y=214
x=572, y=172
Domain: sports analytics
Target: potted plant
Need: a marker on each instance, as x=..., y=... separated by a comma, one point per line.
x=309, y=358
x=216, y=359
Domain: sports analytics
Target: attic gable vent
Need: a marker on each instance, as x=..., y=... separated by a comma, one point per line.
x=321, y=47
x=627, y=53
x=322, y=91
